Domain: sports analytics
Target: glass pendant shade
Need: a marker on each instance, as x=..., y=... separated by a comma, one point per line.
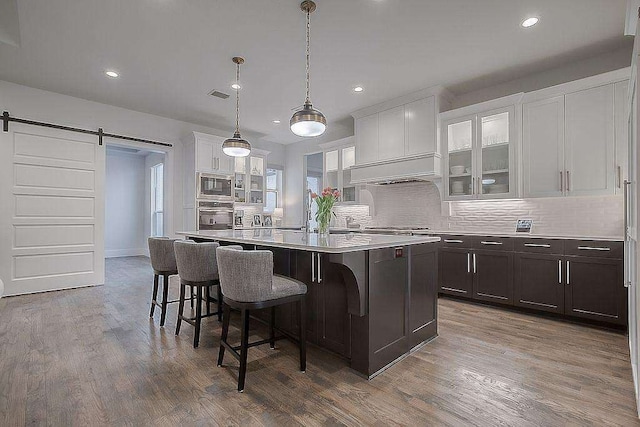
x=308, y=122
x=236, y=146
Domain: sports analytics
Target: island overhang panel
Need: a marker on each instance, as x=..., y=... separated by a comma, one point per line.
x=371, y=298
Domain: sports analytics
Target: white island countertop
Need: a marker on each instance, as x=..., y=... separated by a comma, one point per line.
x=291, y=239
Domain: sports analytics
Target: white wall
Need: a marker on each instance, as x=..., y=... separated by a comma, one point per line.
x=35, y=104
x=124, y=205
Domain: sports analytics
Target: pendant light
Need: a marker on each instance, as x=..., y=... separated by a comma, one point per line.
x=308, y=121
x=236, y=146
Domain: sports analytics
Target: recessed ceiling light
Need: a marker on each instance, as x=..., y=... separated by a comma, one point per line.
x=236, y=86
x=358, y=89
x=530, y=22
x=276, y=122
x=112, y=74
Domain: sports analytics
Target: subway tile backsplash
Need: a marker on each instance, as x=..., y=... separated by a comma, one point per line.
x=419, y=204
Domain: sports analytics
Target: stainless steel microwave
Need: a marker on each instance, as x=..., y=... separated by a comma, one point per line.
x=214, y=187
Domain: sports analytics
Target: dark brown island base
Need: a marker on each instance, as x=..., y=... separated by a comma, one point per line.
x=371, y=298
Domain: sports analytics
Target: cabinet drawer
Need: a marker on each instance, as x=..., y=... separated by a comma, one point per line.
x=539, y=246
x=594, y=248
x=456, y=241
x=493, y=243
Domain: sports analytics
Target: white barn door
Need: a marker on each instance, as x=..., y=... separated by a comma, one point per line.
x=51, y=209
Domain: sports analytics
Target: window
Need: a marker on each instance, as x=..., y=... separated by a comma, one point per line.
x=274, y=188
x=157, y=200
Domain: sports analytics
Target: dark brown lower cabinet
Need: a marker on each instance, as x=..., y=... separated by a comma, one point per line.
x=594, y=289
x=334, y=327
x=454, y=270
x=492, y=276
x=538, y=282
x=423, y=310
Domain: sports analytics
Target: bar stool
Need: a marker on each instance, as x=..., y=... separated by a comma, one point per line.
x=197, y=268
x=163, y=262
x=248, y=283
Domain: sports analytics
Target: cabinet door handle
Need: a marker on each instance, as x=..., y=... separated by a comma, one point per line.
x=560, y=272
x=567, y=272
x=561, y=181
x=568, y=182
x=452, y=241
x=479, y=183
x=618, y=177
x=593, y=248
x=473, y=185
x=474, y=263
x=319, y=268
x=537, y=245
x=625, y=208
x=313, y=267
x=468, y=262
x=489, y=242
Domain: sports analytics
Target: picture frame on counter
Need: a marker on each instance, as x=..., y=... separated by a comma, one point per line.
x=524, y=226
x=257, y=220
x=237, y=219
x=267, y=220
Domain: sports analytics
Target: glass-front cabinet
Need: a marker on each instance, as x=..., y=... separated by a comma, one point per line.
x=337, y=168
x=480, y=158
x=249, y=178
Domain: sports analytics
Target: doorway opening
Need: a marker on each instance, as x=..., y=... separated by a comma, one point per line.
x=134, y=199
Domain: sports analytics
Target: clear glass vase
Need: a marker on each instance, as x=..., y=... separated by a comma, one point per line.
x=323, y=224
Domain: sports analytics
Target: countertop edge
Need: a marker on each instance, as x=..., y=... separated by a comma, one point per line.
x=413, y=240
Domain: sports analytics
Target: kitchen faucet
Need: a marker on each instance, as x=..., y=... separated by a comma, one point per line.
x=307, y=213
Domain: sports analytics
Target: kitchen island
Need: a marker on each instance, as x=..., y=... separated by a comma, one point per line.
x=370, y=298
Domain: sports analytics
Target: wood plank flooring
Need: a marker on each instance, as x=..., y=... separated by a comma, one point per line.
x=92, y=356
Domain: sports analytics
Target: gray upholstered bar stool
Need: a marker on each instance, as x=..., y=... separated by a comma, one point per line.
x=163, y=262
x=248, y=283
x=197, y=268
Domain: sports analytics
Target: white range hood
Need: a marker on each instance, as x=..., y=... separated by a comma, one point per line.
x=424, y=167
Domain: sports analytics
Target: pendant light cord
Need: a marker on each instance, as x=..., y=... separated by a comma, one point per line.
x=308, y=101
x=237, y=98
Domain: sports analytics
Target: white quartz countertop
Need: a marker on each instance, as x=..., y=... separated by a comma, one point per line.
x=291, y=239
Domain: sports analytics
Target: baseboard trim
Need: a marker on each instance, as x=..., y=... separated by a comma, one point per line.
x=117, y=253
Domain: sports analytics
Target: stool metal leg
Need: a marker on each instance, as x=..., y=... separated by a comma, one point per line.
x=244, y=347
x=180, y=308
x=207, y=296
x=303, y=334
x=219, y=303
x=225, y=332
x=191, y=293
x=165, y=298
x=198, y=319
x=155, y=294
x=272, y=328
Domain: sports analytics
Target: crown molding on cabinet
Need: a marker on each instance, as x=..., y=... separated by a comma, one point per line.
x=349, y=140
x=578, y=85
x=483, y=106
x=442, y=93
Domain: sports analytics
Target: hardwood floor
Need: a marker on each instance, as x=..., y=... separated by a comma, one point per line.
x=92, y=356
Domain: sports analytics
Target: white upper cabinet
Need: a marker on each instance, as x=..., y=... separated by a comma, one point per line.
x=543, y=147
x=420, y=127
x=399, y=129
x=366, y=130
x=209, y=155
x=339, y=157
x=621, y=118
x=391, y=133
x=589, y=142
x=480, y=154
x=574, y=138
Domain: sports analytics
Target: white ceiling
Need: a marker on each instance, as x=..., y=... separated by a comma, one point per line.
x=171, y=53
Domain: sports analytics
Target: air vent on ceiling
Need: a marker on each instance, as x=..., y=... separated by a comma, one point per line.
x=218, y=94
